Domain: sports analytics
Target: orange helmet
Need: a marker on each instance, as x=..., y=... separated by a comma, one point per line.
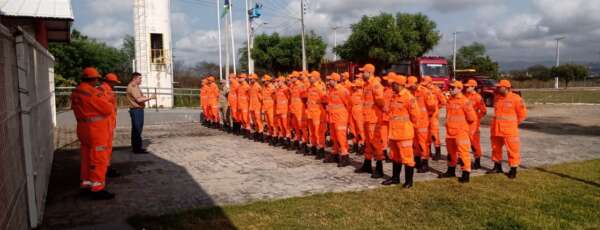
x=112, y=78
x=315, y=75
x=411, y=80
x=266, y=77
x=368, y=68
x=426, y=80
x=472, y=83
x=334, y=76
x=457, y=84
x=90, y=72
x=504, y=83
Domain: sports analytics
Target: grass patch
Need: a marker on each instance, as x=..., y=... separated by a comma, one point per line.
x=562, y=96
x=564, y=196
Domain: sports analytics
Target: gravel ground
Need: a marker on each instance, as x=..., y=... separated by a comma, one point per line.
x=192, y=166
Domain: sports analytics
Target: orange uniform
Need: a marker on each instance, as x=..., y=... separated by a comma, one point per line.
x=297, y=91
x=93, y=112
x=112, y=99
x=459, y=114
x=434, y=119
x=338, y=100
x=204, y=91
x=357, y=117
x=403, y=113
x=268, y=107
x=427, y=106
x=373, y=102
x=213, y=101
x=254, y=107
x=481, y=110
x=316, y=114
x=243, y=104
x=509, y=112
x=281, y=111
x=232, y=100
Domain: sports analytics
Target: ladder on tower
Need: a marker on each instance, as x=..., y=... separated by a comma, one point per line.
x=141, y=38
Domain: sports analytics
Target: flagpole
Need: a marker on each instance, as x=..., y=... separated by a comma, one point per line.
x=248, y=36
x=232, y=37
x=220, y=47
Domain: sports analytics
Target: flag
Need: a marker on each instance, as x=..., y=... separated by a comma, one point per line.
x=226, y=8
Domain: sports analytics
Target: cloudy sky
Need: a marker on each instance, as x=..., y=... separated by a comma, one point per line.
x=512, y=30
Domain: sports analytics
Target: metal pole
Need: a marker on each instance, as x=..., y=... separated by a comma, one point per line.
x=335, y=28
x=250, y=70
x=220, y=46
x=557, y=59
x=232, y=39
x=304, y=67
x=156, y=100
x=454, y=58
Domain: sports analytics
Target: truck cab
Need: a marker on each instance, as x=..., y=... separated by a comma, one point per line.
x=435, y=67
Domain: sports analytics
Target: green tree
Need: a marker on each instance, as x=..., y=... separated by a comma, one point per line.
x=280, y=54
x=82, y=52
x=570, y=72
x=539, y=72
x=384, y=39
x=474, y=57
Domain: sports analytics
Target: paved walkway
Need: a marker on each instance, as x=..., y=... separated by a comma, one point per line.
x=192, y=166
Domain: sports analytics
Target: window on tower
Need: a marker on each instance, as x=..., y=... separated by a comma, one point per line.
x=158, y=55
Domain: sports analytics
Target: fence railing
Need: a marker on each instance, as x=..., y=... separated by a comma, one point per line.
x=182, y=97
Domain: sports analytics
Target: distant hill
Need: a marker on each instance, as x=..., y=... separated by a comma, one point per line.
x=519, y=65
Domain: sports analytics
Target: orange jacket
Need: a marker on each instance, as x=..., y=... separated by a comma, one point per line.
x=296, y=93
x=459, y=114
x=388, y=93
x=242, y=96
x=255, y=97
x=112, y=98
x=356, y=104
x=439, y=96
x=314, y=101
x=478, y=104
x=213, y=94
x=338, y=101
x=427, y=106
x=267, y=97
x=204, y=95
x=92, y=111
x=373, y=100
x=281, y=100
x=232, y=94
x=403, y=113
x=509, y=112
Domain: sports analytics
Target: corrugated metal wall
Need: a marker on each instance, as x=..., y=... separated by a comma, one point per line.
x=26, y=129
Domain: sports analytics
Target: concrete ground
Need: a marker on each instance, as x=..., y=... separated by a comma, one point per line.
x=193, y=166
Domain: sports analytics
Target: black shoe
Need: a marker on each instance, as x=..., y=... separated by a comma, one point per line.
x=102, y=195
x=451, y=172
x=141, y=151
x=313, y=151
x=460, y=162
x=344, y=161
x=408, y=173
x=112, y=173
x=361, y=150
x=355, y=148
x=477, y=163
x=395, y=179
x=329, y=158
x=387, y=156
x=296, y=145
x=306, y=149
x=438, y=154
x=512, y=174
x=85, y=191
x=378, y=170
x=301, y=148
x=464, y=177
x=366, y=167
x=417, y=162
x=424, y=167
x=497, y=168
x=255, y=137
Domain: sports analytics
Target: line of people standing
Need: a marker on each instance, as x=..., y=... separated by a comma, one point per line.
x=393, y=112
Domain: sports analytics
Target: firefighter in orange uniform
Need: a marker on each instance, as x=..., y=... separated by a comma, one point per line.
x=385, y=119
x=268, y=107
x=254, y=107
x=374, y=103
x=213, y=102
x=434, y=118
x=403, y=113
x=281, y=111
x=481, y=110
x=459, y=114
x=243, y=104
x=427, y=105
x=232, y=102
x=296, y=110
x=357, y=117
x=338, y=102
x=509, y=112
x=316, y=115
x=93, y=112
x=304, y=147
x=109, y=82
x=204, y=102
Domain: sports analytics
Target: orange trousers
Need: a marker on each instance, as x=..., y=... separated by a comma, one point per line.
x=434, y=130
x=270, y=119
x=215, y=113
x=305, y=127
x=283, y=129
x=401, y=151
x=244, y=118
x=207, y=112
x=373, y=142
x=384, y=135
x=256, y=117
x=459, y=147
x=317, y=130
x=421, y=143
x=95, y=153
x=513, y=149
x=297, y=124
x=357, y=128
x=475, y=138
x=339, y=139
x=234, y=113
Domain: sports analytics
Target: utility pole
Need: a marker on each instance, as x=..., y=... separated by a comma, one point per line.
x=454, y=56
x=232, y=38
x=304, y=67
x=557, y=59
x=220, y=46
x=335, y=28
x=250, y=64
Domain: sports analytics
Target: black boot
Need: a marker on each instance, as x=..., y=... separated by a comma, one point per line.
x=255, y=136
x=497, y=168
x=424, y=167
x=320, y=154
x=408, y=173
x=112, y=173
x=296, y=145
x=378, y=170
x=277, y=142
x=344, y=161
x=417, y=162
x=395, y=179
x=464, y=178
x=512, y=174
x=355, y=148
x=438, y=154
x=477, y=163
x=313, y=151
x=361, y=149
x=301, y=148
x=387, y=156
x=288, y=144
x=329, y=158
x=102, y=195
x=450, y=173
x=306, y=149
x=366, y=167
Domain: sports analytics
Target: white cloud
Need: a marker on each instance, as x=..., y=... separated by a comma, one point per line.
x=109, y=30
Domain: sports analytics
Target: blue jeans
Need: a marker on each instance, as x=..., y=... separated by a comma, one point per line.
x=137, y=126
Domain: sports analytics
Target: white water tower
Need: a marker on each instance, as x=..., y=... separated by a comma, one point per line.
x=153, y=53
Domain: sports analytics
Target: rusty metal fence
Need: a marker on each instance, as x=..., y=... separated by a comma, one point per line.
x=27, y=120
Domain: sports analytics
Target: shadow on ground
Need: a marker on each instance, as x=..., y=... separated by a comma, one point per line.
x=557, y=126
